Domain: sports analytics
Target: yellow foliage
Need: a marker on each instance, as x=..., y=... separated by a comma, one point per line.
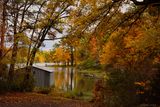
x=93, y=47
x=143, y=84
x=61, y=54
x=133, y=37
x=108, y=53
x=40, y=58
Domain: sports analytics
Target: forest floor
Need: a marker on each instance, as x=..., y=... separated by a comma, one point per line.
x=39, y=100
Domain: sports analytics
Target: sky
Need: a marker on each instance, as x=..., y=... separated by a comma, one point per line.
x=140, y=0
x=49, y=45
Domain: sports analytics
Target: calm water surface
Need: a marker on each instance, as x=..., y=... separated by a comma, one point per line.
x=66, y=79
x=69, y=79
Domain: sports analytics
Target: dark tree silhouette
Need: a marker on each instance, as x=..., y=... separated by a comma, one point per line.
x=146, y=2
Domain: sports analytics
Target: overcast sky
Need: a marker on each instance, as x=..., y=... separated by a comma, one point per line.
x=49, y=45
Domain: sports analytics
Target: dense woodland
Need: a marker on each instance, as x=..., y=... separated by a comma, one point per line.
x=120, y=37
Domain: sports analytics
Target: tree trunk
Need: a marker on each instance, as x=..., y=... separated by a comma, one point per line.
x=15, y=47
x=13, y=59
x=3, y=25
x=33, y=56
x=72, y=56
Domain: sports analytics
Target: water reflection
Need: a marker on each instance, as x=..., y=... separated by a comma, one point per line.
x=63, y=78
x=70, y=79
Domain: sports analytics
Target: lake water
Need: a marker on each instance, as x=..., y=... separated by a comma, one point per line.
x=67, y=79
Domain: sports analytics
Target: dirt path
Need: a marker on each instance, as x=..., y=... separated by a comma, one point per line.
x=38, y=100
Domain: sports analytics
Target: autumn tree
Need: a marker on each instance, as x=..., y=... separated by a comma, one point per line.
x=3, y=24
x=18, y=13
x=54, y=14
x=116, y=33
x=40, y=18
x=3, y=21
x=61, y=55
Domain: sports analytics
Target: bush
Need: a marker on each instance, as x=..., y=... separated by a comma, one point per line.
x=19, y=83
x=28, y=82
x=43, y=90
x=3, y=78
x=123, y=88
x=3, y=71
x=70, y=95
x=117, y=91
x=152, y=95
x=3, y=86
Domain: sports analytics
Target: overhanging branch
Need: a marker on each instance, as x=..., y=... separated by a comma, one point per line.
x=146, y=2
x=55, y=38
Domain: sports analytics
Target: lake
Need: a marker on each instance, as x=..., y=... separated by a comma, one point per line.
x=65, y=79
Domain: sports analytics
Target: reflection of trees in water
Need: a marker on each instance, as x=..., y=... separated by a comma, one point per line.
x=67, y=79
x=70, y=79
x=59, y=79
x=64, y=78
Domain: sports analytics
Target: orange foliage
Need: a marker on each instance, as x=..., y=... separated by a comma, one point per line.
x=108, y=53
x=61, y=54
x=122, y=50
x=93, y=46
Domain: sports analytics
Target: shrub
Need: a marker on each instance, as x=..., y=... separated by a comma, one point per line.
x=19, y=83
x=123, y=88
x=3, y=86
x=69, y=95
x=22, y=81
x=27, y=84
x=152, y=95
x=117, y=91
x=3, y=71
x=75, y=94
x=43, y=90
x=3, y=78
